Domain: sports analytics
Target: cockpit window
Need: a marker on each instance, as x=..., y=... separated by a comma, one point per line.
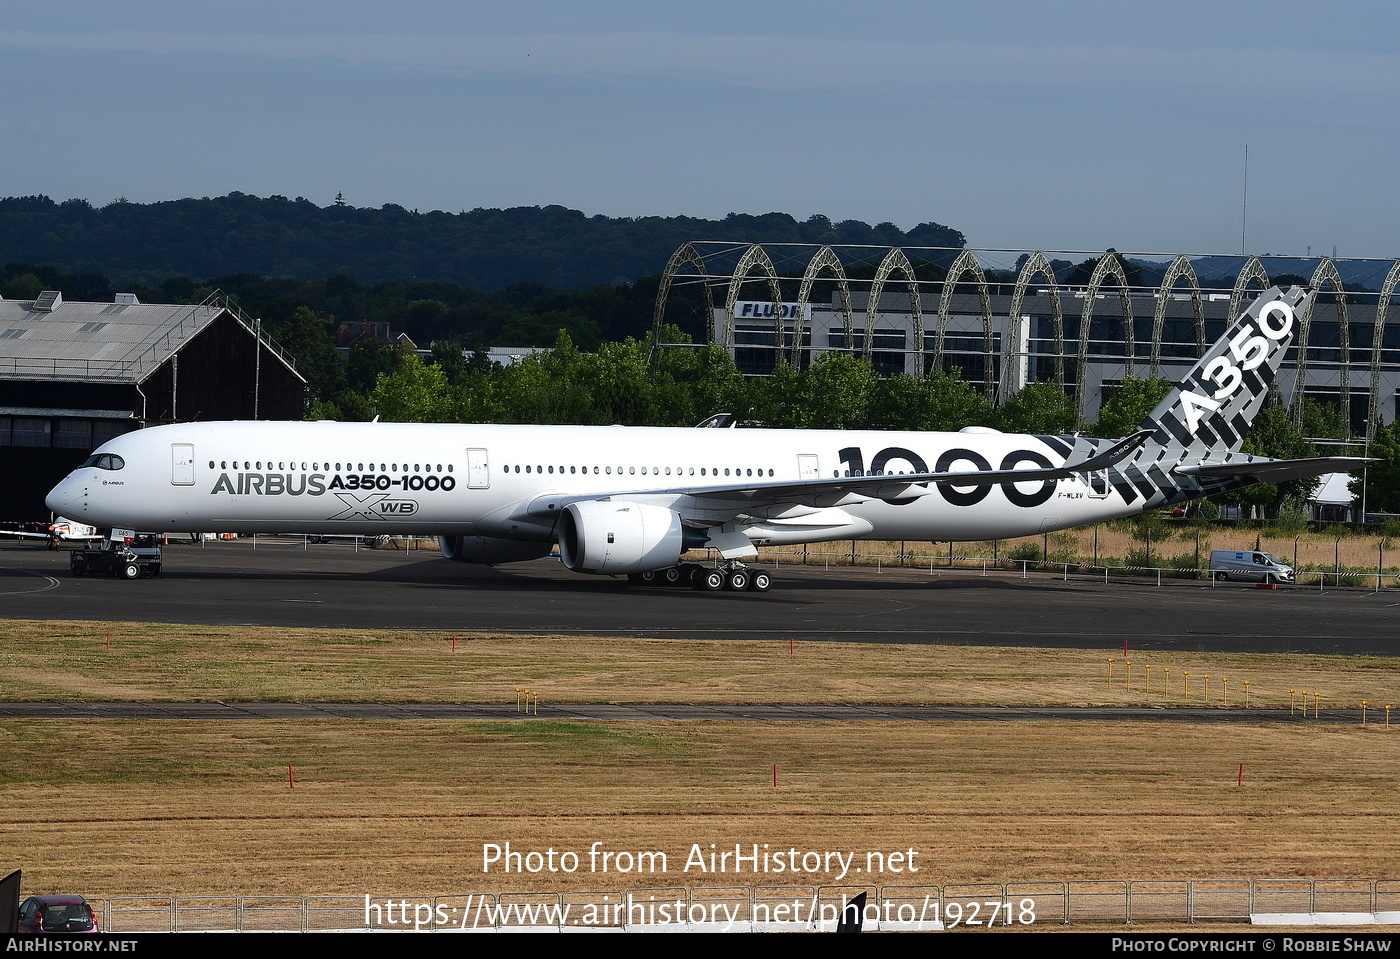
x=103, y=461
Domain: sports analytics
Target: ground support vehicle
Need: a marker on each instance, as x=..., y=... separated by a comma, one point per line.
x=124, y=560
x=1250, y=565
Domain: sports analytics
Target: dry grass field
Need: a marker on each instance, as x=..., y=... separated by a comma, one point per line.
x=120, y=808
x=189, y=808
x=1108, y=544
x=73, y=661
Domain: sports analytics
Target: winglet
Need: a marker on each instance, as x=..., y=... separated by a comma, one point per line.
x=1103, y=459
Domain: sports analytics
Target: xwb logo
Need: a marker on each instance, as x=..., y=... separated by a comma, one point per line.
x=375, y=506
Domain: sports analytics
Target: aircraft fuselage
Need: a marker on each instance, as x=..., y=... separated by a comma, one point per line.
x=512, y=481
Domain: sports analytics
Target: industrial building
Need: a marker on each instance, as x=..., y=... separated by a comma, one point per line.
x=73, y=375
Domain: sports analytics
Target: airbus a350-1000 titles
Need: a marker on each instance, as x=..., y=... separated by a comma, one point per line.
x=632, y=500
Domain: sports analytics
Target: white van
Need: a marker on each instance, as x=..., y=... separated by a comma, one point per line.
x=1249, y=565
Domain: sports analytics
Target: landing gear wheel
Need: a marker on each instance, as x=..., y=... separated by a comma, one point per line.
x=761, y=582
x=648, y=577
x=672, y=576
x=131, y=571
x=737, y=580
x=711, y=580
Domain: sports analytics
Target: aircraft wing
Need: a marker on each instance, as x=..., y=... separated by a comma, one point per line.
x=843, y=490
x=1277, y=471
x=61, y=530
x=895, y=486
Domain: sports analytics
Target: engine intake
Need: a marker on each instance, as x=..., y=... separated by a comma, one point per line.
x=615, y=536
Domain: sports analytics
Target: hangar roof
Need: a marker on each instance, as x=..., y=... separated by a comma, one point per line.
x=123, y=342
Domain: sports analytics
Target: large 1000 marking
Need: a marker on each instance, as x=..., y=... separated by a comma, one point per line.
x=1249, y=348
x=854, y=461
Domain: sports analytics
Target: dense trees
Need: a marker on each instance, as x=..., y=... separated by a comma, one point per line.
x=1041, y=408
x=616, y=385
x=938, y=402
x=485, y=249
x=1275, y=433
x=1382, y=494
x=1128, y=404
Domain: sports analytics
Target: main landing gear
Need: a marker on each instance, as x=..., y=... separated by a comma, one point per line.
x=727, y=574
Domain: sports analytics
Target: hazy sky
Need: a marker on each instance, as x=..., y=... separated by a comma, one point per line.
x=1025, y=125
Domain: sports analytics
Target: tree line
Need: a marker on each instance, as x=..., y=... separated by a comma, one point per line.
x=485, y=249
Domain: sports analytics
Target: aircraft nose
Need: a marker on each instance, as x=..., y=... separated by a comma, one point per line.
x=68, y=497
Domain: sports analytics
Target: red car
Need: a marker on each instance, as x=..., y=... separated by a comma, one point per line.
x=55, y=914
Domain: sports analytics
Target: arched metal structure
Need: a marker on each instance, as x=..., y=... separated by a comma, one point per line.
x=716, y=263
x=685, y=253
x=1035, y=265
x=894, y=261
x=823, y=259
x=1109, y=265
x=1252, y=270
x=754, y=258
x=1325, y=274
x=966, y=264
x=1373, y=408
x=1180, y=269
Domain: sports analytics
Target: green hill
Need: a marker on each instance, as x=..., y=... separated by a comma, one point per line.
x=484, y=249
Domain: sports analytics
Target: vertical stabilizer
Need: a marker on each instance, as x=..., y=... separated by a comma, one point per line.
x=1210, y=411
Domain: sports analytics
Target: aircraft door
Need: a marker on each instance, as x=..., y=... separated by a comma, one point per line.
x=478, y=470
x=181, y=464
x=807, y=466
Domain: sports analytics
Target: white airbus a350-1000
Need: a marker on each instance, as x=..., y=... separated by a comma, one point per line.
x=632, y=500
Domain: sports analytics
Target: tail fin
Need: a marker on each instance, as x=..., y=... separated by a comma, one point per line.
x=1209, y=412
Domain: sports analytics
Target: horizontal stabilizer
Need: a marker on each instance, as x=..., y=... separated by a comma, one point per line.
x=1277, y=471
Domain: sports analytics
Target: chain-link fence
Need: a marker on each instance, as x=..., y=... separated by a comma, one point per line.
x=781, y=908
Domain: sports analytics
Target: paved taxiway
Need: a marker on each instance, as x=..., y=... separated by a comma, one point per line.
x=280, y=583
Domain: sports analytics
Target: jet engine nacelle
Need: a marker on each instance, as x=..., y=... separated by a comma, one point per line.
x=489, y=549
x=615, y=536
